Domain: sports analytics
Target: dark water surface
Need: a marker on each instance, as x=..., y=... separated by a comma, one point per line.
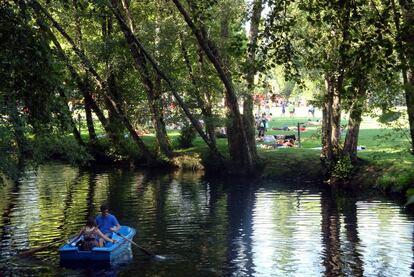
x=205, y=227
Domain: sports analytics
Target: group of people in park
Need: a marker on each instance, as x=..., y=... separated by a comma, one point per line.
x=97, y=230
x=290, y=107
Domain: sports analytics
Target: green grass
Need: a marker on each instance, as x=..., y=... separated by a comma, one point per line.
x=386, y=153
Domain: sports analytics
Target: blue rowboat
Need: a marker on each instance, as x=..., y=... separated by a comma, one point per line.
x=108, y=253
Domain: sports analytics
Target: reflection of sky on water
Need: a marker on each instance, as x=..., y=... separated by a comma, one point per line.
x=287, y=242
x=286, y=238
x=386, y=238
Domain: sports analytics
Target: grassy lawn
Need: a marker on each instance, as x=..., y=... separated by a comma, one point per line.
x=386, y=153
x=386, y=150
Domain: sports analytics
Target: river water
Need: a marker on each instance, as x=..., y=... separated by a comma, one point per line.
x=205, y=227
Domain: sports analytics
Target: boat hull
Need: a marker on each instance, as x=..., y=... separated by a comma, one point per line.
x=110, y=252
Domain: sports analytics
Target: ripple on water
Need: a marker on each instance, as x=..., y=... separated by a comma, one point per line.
x=209, y=229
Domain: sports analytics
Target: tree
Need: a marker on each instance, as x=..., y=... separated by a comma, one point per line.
x=32, y=79
x=141, y=56
x=405, y=48
x=239, y=148
x=250, y=72
x=113, y=102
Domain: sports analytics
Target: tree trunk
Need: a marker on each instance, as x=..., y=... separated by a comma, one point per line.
x=115, y=122
x=152, y=89
x=331, y=131
x=405, y=47
x=83, y=85
x=237, y=135
x=75, y=131
x=336, y=120
x=351, y=139
x=239, y=148
x=331, y=122
x=409, y=98
x=204, y=103
x=354, y=122
x=22, y=145
x=79, y=42
x=113, y=104
x=89, y=121
x=131, y=38
x=327, y=153
x=156, y=106
x=248, y=117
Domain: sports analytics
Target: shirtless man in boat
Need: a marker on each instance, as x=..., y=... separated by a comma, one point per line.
x=107, y=223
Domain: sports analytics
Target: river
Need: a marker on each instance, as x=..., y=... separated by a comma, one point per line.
x=202, y=227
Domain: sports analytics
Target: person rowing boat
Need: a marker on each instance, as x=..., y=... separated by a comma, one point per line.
x=107, y=223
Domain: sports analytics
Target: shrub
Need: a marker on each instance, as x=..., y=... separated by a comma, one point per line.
x=62, y=148
x=187, y=135
x=191, y=162
x=343, y=168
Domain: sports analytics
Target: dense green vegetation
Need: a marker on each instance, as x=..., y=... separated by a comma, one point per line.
x=86, y=80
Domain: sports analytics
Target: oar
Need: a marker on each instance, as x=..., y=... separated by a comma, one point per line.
x=40, y=248
x=141, y=248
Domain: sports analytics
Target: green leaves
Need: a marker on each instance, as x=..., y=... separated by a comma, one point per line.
x=389, y=116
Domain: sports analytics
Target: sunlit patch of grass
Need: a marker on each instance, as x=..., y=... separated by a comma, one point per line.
x=188, y=162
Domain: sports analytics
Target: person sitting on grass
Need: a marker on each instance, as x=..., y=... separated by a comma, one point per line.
x=90, y=233
x=289, y=143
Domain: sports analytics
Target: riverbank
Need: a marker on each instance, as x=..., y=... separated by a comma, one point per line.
x=386, y=164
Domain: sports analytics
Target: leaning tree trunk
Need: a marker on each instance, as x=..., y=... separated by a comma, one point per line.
x=152, y=89
x=79, y=42
x=251, y=70
x=136, y=43
x=84, y=85
x=89, y=121
x=115, y=122
x=203, y=98
x=239, y=148
x=113, y=104
x=156, y=106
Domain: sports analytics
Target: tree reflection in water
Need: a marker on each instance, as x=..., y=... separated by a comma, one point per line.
x=208, y=227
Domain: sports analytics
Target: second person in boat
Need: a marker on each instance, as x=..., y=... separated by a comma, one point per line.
x=90, y=233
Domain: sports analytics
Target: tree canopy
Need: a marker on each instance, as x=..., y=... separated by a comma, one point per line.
x=127, y=66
